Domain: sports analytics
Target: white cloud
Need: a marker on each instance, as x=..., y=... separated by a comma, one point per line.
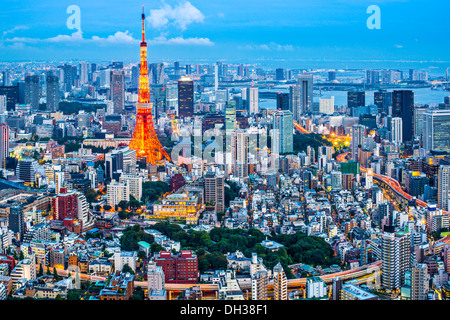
x=14, y=29
x=118, y=38
x=76, y=36
x=181, y=15
x=399, y=46
x=122, y=38
x=269, y=47
x=183, y=41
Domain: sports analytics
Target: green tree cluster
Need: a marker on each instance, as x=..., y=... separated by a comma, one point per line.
x=314, y=140
x=152, y=190
x=132, y=235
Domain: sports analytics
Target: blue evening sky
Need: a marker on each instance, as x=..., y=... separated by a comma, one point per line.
x=231, y=30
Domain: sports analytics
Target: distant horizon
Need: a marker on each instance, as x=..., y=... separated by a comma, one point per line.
x=196, y=30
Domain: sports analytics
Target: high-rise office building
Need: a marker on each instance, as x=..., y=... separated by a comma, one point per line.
x=4, y=144
x=306, y=93
x=279, y=283
x=331, y=75
x=159, y=98
x=403, y=107
x=84, y=74
x=230, y=117
x=358, y=133
x=118, y=90
x=32, y=91
x=26, y=170
x=185, y=97
x=16, y=220
x=280, y=74
x=6, y=81
x=419, y=121
x=214, y=190
x=156, y=73
x=12, y=95
x=3, y=104
x=326, y=105
x=396, y=259
x=253, y=100
x=383, y=100
x=52, y=93
x=396, y=131
x=444, y=187
x=135, y=77
x=372, y=76
x=295, y=101
x=282, y=133
x=356, y=99
x=70, y=75
x=436, y=130
x=282, y=101
x=176, y=68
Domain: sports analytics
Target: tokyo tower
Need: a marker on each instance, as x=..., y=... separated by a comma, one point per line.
x=145, y=140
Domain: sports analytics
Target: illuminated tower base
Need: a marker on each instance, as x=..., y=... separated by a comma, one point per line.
x=145, y=141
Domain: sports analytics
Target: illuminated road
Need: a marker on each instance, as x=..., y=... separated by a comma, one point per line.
x=392, y=183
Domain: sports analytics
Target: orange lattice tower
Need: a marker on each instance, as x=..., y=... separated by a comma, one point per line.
x=145, y=140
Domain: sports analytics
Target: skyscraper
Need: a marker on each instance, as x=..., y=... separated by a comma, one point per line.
x=32, y=91
x=156, y=73
x=282, y=134
x=134, y=77
x=403, y=107
x=4, y=144
x=396, y=259
x=436, y=130
x=52, y=93
x=12, y=95
x=306, y=92
x=295, y=101
x=396, y=131
x=253, y=100
x=176, y=68
x=3, y=104
x=356, y=99
x=280, y=74
x=383, y=100
x=70, y=74
x=83, y=72
x=118, y=90
x=444, y=187
x=282, y=101
x=185, y=97
x=358, y=133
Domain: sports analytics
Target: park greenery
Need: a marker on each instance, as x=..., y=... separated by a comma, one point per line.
x=68, y=108
x=314, y=140
x=153, y=190
x=212, y=247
